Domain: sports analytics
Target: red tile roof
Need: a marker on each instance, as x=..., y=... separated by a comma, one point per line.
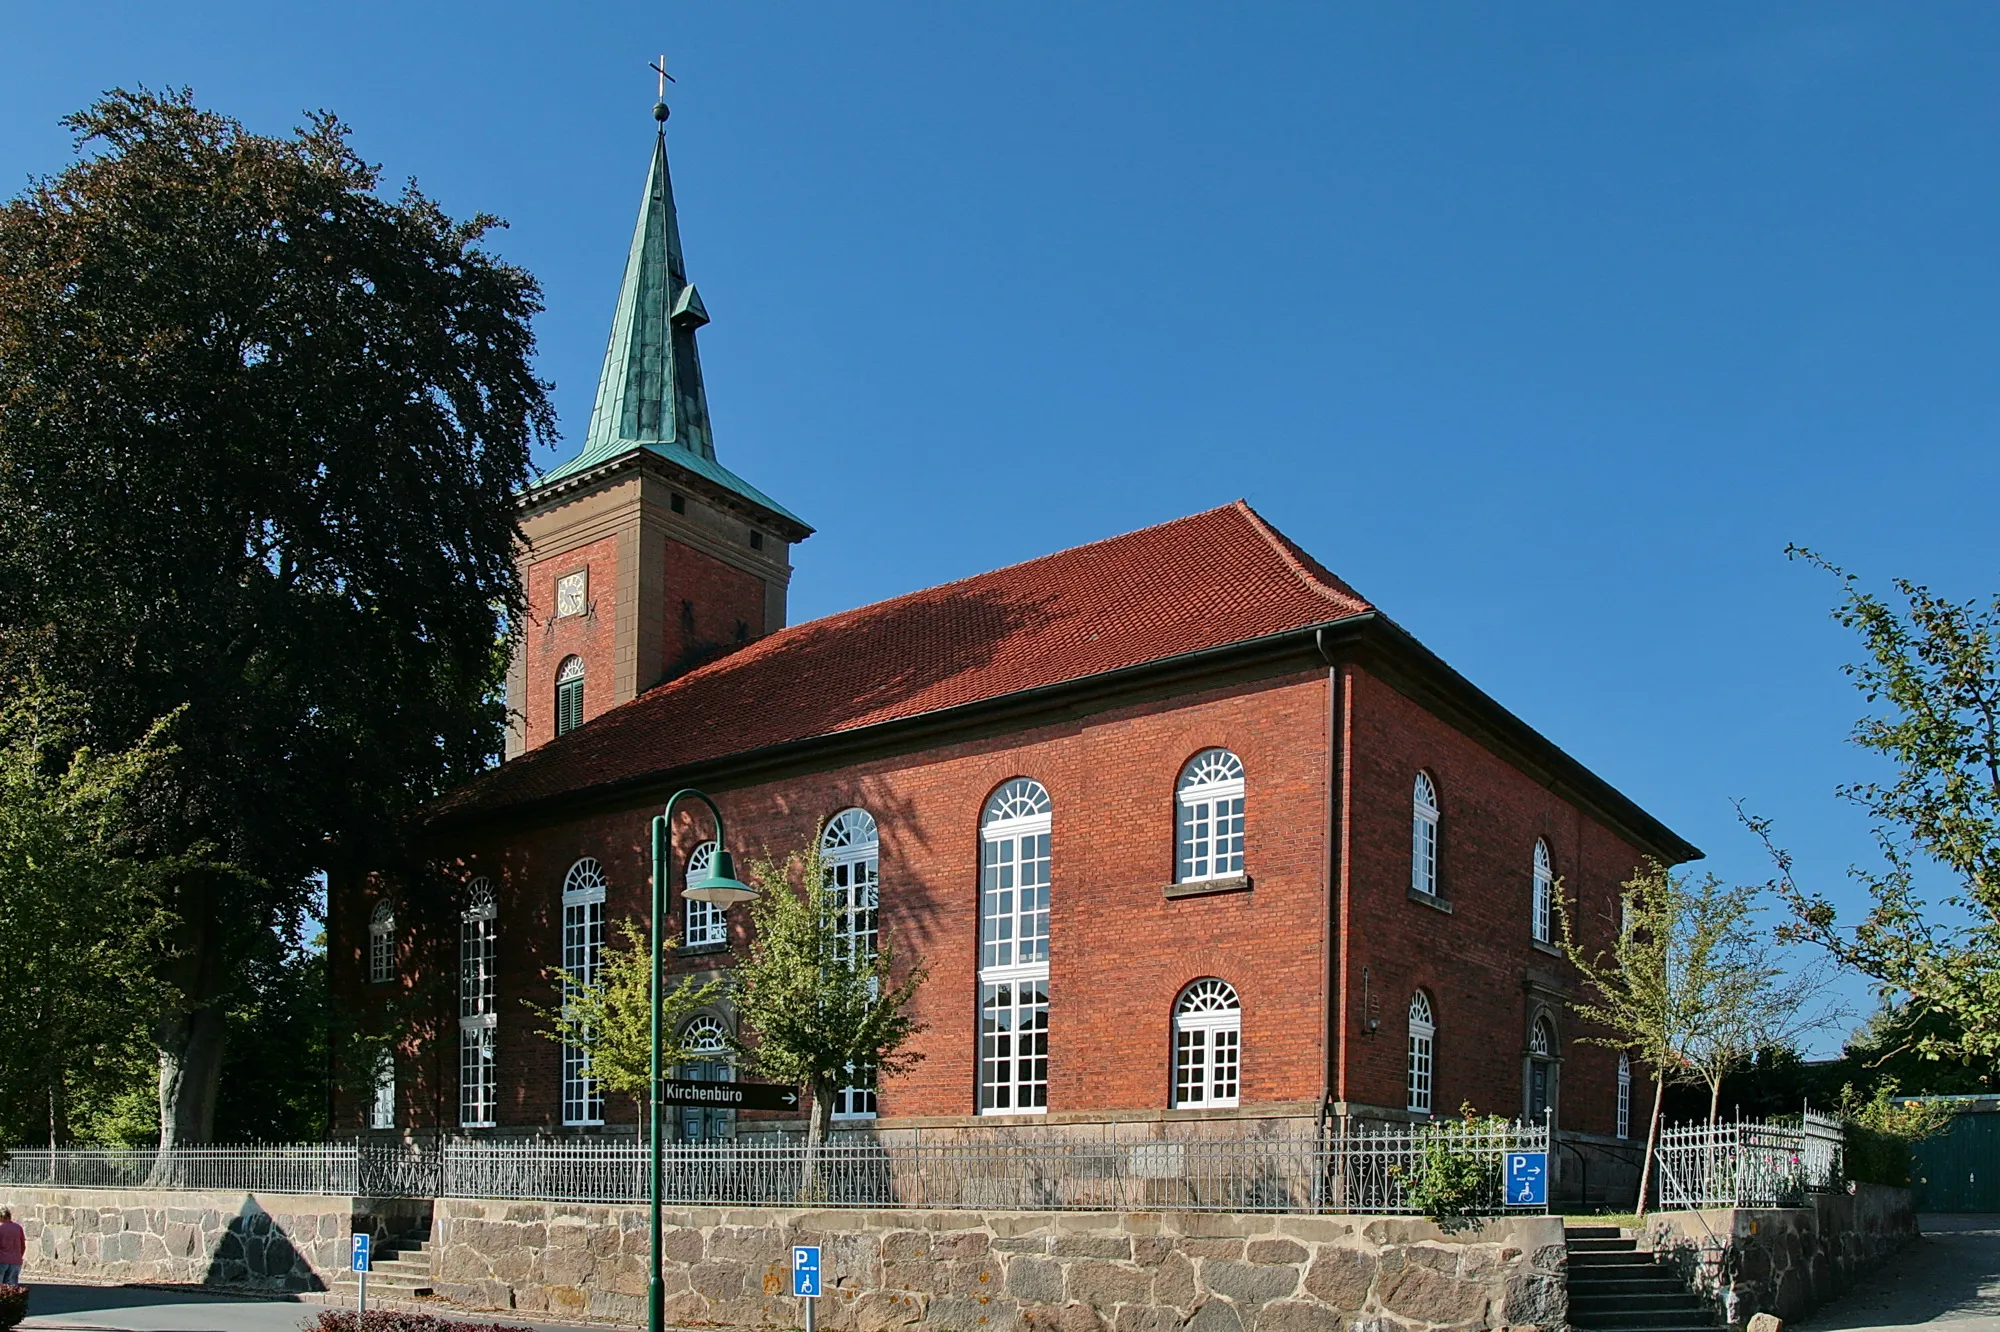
x=1205, y=581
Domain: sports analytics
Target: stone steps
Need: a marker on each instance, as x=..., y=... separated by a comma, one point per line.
x=1615, y=1286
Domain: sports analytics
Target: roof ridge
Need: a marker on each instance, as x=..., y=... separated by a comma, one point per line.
x=1317, y=578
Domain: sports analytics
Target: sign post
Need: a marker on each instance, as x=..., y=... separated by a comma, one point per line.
x=805, y=1277
x=362, y=1243
x=1527, y=1179
x=729, y=1095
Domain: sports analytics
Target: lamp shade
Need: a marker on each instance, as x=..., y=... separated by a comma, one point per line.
x=719, y=885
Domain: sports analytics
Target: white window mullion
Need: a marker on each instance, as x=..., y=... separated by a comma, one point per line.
x=1015, y=874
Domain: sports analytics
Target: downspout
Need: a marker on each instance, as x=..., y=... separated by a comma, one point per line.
x=1339, y=727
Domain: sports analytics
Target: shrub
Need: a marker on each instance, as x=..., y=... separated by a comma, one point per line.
x=1877, y=1132
x=393, y=1320
x=1452, y=1179
x=13, y=1305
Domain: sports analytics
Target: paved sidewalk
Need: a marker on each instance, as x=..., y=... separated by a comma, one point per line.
x=1946, y=1281
x=74, y=1306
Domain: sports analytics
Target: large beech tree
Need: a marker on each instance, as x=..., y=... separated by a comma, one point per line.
x=260, y=430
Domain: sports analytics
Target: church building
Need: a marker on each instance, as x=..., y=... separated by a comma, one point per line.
x=1192, y=837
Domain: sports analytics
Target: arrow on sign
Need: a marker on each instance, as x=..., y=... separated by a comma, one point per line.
x=729, y=1095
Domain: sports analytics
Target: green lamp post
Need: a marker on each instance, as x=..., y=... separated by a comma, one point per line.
x=720, y=886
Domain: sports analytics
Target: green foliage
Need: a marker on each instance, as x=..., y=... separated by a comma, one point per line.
x=260, y=432
x=397, y=1320
x=13, y=1305
x=78, y=912
x=1879, y=1130
x=1454, y=1179
x=1932, y=666
x=610, y=1017
x=823, y=1012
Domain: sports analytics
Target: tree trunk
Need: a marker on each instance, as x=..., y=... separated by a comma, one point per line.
x=1652, y=1141
x=190, y=1075
x=821, y=1124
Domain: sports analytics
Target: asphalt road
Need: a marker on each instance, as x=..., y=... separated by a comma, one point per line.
x=133, y=1309
x=1948, y=1280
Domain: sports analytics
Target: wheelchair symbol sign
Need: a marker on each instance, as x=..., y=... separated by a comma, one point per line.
x=1527, y=1179
x=805, y=1271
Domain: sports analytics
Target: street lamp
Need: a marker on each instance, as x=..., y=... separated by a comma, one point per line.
x=717, y=885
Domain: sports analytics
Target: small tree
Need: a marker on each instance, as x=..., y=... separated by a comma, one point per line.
x=1638, y=1001
x=610, y=1016
x=1739, y=996
x=826, y=1009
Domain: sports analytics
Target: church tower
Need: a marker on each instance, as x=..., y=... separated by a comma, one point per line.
x=644, y=556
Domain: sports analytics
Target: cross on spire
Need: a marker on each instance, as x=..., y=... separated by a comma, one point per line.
x=659, y=67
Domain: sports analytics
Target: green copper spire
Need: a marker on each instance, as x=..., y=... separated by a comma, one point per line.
x=649, y=394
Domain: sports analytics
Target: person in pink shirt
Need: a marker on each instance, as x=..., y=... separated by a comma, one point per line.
x=13, y=1248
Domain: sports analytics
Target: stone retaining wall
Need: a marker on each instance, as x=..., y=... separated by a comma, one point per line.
x=1011, y=1271
x=270, y=1241
x=1784, y=1261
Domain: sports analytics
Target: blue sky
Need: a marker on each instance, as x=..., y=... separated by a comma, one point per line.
x=1548, y=327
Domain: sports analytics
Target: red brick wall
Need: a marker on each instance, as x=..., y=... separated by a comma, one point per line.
x=707, y=603
x=1121, y=951
x=1473, y=961
x=548, y=640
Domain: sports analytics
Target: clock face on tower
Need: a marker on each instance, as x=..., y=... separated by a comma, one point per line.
x=572, y=593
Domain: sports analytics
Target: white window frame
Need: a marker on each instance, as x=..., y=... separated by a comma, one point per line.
x=382, y=1109
x=478, y=1008
x=382, y=944
x=1424, y=817
x=704, y=924
x=1624, y=1095
x=582, y=951
x=569, y=672
x=1208, y=1045
x=1208, y=818
x=1420, y=1081
x=1016, y=832
x=1543, y=921
x=706, y=1037
x=850, y=848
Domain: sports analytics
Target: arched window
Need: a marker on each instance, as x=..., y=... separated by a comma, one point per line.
x=1545, y=892
x=382, y=943
x=582, y=949
x=1423, y=1048
x=478, y=1015
x=1208, y=1044
x=851, y=851
x=1424, y=836
x=569, y=694
x=707, y=922
x=1541, y=1066
x=1624, y=1096
x=382, y=1109
x=707, y=1043
x=1208, y=841
x=1015, y=863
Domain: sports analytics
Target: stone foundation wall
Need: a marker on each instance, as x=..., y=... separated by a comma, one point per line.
x=263, y=1241
x=1784, y=1261
x=1011, y=1271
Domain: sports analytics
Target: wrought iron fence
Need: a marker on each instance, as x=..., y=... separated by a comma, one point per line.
x=1352, y=1169
x=1749, y=1164
x=1349, y=1168
x=266, y=1168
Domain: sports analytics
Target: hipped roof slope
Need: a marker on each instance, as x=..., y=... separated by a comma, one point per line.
x=1205, y=581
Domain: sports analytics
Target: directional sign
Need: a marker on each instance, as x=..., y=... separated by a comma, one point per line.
x=361, y=1247
x=1527, y=1179
x=729, y=1095
x=805, y=1271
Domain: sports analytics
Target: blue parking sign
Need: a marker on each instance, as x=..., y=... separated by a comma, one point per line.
x=805, y=1271
x=362, y=1242
x=1527, y=1179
